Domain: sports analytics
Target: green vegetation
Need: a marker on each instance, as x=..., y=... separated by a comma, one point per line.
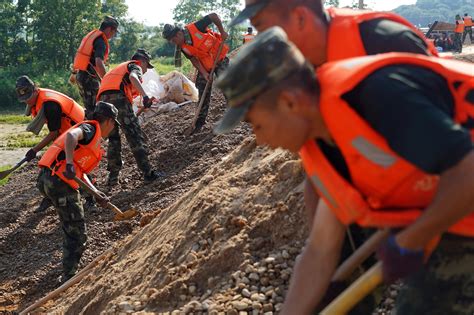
x=5, y=180
x=22, y=140
x=14, y=119
x=425, y=12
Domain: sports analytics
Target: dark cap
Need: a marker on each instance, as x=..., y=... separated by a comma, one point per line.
x=169, y=31
x=252, y=8
x=110, y=21
x=106, y=110
x=263, y=63
x=142, y=54
x=24, y=88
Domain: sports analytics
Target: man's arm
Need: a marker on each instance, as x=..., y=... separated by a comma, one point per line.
x=453, y=201
x=135, y=80
x=316, y=265
x=217, y=21
x=73, y=137
x=100, y=67
x=198, y=65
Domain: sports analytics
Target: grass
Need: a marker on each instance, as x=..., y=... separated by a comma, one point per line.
x=14, y=119
x=5, y=180
x=22, y=140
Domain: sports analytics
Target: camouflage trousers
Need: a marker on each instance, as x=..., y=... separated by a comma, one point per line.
x=445, y=285
x=67, y=202
x=201, y=85
x=88, y=88
x=133, y=133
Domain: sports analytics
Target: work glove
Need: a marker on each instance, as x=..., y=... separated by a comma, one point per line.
x=102, y=199
x=30, y=155
x=70, y=172
x=398, y=262
x=147, y=101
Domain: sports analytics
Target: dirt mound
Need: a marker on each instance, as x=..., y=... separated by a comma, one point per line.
x=227, y=244
x=30, y=243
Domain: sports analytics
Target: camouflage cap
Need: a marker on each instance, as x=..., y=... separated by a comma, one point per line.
x=107, y=110
x=142, y=54
x=252, y=8
x=266, y=61
x=24, y=88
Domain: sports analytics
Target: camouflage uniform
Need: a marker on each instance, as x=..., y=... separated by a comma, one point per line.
x=201, y=85
x=446, y=283
x=88, y=88
x=133, y=133
x=68, y=205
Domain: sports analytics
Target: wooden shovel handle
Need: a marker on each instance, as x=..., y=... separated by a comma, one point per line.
x=96, y=195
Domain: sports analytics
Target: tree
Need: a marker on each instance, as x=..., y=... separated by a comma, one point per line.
x=332, y=3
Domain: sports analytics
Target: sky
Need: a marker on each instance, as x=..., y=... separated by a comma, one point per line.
x=153, y=12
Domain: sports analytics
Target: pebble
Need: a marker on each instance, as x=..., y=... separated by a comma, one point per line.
x=192, y=289
x=125, y=306
x=267, y=308
x=246, y=292
x=240, y=306
x=254, y=276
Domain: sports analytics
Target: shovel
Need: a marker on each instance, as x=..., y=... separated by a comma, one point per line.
x=5, y=173
x=119, y=215
x=189, y=131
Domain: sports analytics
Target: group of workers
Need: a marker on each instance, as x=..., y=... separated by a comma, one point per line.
x=383, y=126
x=462, y=29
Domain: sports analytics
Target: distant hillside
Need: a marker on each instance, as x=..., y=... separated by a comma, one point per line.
x=427, y=11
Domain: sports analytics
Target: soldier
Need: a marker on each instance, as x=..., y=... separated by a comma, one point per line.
x=91, y=57
x=367, y=167
x=458, y=34
x=249, y=36
x=58, y=111
x=201, y=45
x=75, y=153
x=119, y=87
x=468, y=23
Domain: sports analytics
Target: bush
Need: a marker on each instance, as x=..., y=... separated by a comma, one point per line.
x=53, y=79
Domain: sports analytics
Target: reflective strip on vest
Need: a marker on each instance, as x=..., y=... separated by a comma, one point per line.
x=372, y=153
x=322, y=189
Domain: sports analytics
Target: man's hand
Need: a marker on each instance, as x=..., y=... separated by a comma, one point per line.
x=207, y=76
x=102, y=199
x=147, y=101
x=30, y=155
x=398, y=262
x=70, y=172
x=224, y=35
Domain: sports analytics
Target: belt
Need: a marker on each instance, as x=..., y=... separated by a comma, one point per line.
x=112, y=97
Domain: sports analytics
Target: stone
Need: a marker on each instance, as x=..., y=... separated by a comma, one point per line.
x=269, y=260
x=192, y=289
x=278, y=307
x=254, y=276
x=246, y=293
x=239, y=305
x=232, y=312
x=285, y=254
x=125, y=306
x=267, y=307
x=258, y=297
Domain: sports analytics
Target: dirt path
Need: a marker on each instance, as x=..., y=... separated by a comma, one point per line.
x=10, y=156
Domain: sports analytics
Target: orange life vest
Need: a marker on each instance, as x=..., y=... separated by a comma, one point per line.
x=205, y=46
x=86, y=157
x=459, y=26
x=84, y=52
x=386, y=190
x=468, y=21
x=115, y=77
x=248, y=38
x=72, y=112
x=344, y=40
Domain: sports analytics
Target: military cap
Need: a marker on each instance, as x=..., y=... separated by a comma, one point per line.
x=263, y=63
x=252, y=8
x=24, y=88
x=169, y=31
x=142, y=54
x=106, y=110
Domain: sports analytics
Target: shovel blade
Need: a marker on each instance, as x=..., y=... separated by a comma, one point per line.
x=4, y=174
x=126, y=215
